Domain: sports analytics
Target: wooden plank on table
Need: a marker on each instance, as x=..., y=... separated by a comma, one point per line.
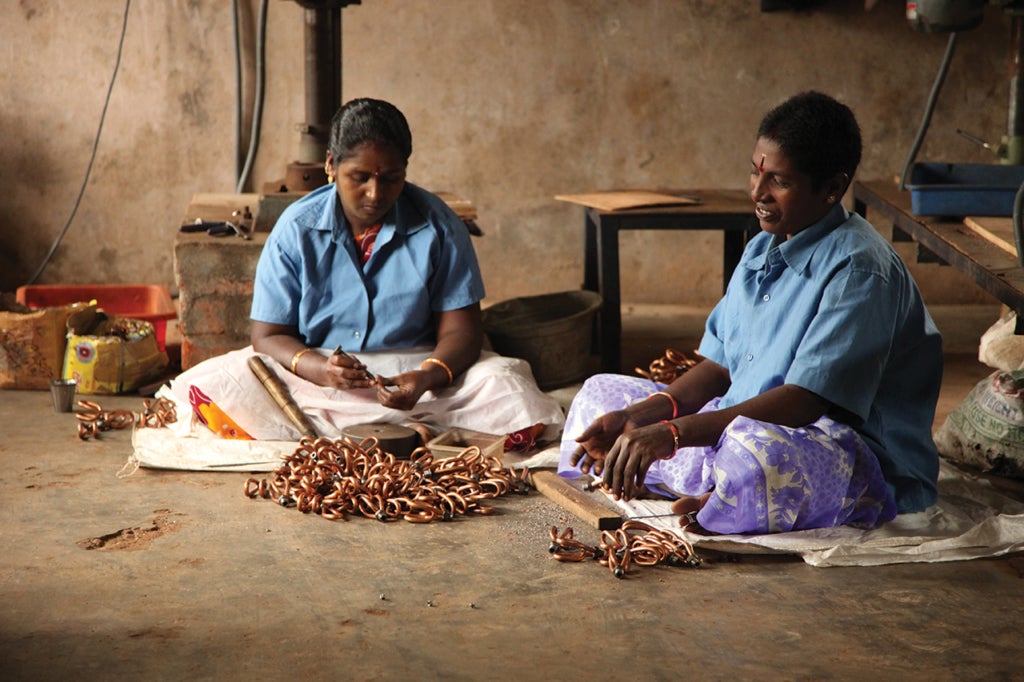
x=462, y=206
x=572, y=499
x=998, y=231
x=619, y=200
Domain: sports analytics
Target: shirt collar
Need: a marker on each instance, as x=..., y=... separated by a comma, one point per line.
x=798, y=249
x=405, y=216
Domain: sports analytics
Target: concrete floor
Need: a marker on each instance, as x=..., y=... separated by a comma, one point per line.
x=194, y=581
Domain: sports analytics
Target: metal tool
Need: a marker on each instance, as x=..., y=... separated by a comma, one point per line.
x=342, y=353
x=217, y=228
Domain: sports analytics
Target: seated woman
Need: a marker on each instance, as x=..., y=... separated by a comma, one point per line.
x=371, y=267
x=814, y=401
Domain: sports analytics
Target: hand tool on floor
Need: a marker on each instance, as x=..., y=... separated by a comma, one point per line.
x=279, y=392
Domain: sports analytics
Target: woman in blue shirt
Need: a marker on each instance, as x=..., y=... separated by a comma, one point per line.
x=382, y=270
x=814, y=401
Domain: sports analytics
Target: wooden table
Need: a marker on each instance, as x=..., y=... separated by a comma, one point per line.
x=730, y=211
x=951, y=240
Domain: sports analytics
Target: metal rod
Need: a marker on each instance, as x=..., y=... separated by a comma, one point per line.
x=279, y=392
x=1015, y=110
x=323, y=79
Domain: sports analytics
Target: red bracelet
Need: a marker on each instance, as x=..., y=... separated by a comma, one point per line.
x=675, y=435
x=675, y=405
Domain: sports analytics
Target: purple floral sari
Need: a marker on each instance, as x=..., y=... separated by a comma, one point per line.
x=764, y=478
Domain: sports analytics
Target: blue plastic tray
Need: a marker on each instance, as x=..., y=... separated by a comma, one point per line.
x=964, y=189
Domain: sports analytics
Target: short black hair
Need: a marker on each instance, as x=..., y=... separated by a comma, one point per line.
x=369, y=120
x=818, y=133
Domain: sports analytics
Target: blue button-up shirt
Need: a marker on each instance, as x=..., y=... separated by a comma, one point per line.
x=310, y=275
x=835, y=310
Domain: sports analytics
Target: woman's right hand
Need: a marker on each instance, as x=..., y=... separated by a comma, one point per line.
x=345, y=373
x=598, y=438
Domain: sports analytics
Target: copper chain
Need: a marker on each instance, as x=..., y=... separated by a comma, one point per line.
x=633, y=543
x=667, y=368
x=338, y=478
x=92, y=418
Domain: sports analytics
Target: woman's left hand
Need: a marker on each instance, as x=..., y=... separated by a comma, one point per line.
x=403, y=391
x=625, y=467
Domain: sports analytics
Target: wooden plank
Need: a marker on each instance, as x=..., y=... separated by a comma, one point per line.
x=991, y=267
x=572, y=499
x=617, y=200
x=998, y=231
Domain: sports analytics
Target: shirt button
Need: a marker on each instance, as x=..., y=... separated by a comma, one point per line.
x=750, y=357
x=766, y=298
x=355, y=334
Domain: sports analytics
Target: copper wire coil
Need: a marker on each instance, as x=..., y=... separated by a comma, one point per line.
x=337, y=478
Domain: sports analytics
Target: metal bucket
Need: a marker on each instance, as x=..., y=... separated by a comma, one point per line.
x=552, y=332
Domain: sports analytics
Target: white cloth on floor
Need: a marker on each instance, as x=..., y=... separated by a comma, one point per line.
x=971, y=520
x=497, y=395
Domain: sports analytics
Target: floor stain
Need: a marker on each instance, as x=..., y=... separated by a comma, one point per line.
x=135, y=537
x=51, y=484
x=158, y=633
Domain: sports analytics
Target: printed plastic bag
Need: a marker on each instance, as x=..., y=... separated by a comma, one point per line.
x=986, y=431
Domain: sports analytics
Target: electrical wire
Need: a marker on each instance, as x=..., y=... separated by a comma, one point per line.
x=257, y=111
x=940, y=77
x=92, y=156
x=238, y=89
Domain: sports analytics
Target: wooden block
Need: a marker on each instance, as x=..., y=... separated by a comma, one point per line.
x=399, y=440
x=587, y=506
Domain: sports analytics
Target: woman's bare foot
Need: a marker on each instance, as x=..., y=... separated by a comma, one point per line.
x=687, y=507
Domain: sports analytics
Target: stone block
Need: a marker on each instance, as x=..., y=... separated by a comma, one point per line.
x=215, y=277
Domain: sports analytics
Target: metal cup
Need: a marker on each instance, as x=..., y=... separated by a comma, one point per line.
x=63, y=393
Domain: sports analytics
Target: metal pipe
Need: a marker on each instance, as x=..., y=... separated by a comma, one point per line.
x=279, y=392
x=1015, y=110
x=323, y=79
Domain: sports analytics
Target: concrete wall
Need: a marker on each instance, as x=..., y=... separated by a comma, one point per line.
x=510, y=102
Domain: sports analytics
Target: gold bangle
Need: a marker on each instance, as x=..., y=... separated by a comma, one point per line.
x=295, y=359
x=439, y=363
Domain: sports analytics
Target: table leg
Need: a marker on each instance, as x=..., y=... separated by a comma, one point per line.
x=733, y=242
x=590, y=277
x=610, y=336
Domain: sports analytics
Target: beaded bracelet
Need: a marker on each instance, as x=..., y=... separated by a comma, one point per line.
x=675, y=434
x=675, y=405
x=439, y=363
x=296, y=357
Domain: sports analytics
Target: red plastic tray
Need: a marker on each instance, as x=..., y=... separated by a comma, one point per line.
x=148, y=302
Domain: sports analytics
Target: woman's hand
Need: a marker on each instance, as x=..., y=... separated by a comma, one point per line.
x=459, y=339
x=344, y=372
x=625, y=467
x=598, y=438
x=403, y=391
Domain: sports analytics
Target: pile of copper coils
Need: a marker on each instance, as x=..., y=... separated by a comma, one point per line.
x=339, y=478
